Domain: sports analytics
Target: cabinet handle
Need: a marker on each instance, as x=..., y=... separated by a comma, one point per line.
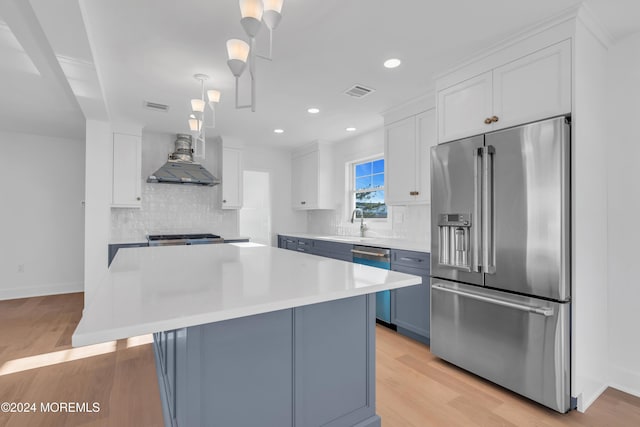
x=413, y=193
x=410, y=259
x=488, y=121
x=494, y=119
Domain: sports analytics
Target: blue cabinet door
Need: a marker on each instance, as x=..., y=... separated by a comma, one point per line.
x=411, y=305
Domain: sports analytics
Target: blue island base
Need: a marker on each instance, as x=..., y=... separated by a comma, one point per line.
x=304, y=367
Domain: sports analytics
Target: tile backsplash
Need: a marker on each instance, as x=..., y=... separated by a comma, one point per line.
x=407, y=222
x=170, y=208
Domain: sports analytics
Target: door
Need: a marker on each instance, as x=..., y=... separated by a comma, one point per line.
x=400, y=157
x=426, y=138
x=231, y=178
x=530, y=210
x=518, y=342
x=464, y=107
x=455, y=190
x=534, y=87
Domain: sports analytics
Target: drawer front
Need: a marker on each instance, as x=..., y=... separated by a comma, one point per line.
x=508, y=339
x=412, y=259
x=333, y=249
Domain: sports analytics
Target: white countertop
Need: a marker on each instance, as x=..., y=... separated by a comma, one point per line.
x=152, y=289
x=382, y=242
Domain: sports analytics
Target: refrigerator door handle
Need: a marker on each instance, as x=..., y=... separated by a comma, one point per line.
x=544, y=311
x=488, y=247
x=476, y=223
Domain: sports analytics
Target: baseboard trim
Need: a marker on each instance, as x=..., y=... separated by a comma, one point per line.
x=625, y=380
x=584, y=405
x=41, y=290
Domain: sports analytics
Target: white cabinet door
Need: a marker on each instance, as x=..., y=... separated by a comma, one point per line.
x=464, y=107
x=407, y=156
x=305, y=181
x=400, y=159
x=127, y=171
x=534, y=87
x=426, y=138
x=231, y=178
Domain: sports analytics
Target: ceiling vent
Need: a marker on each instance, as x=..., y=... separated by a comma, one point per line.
x=359, y=91
x=155, y=106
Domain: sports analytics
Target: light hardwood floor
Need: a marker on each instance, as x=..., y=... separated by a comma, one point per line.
x=414, y=388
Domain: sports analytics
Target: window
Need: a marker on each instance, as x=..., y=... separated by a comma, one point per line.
x=368, y=188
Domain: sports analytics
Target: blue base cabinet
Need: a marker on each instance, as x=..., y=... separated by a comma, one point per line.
x=410, y=306
x=307, y=366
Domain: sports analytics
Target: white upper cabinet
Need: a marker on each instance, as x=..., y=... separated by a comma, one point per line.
x=127, y=171
x=407, y=155
x=463, y=108
x=231, y=178
x=311, y=178
x=533, y=87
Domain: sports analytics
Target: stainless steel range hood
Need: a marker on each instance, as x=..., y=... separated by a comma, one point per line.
x=181, y=169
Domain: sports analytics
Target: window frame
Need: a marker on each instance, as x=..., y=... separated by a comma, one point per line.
x=352, y=187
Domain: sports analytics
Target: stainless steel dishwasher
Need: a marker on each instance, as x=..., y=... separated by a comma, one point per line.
x=380, y=258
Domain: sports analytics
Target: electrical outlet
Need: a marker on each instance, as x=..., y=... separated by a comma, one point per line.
x=20, y=268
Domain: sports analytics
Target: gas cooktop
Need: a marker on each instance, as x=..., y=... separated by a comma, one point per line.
x=183, y=239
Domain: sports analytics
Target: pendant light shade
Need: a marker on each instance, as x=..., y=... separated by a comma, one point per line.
x=237, y=49
x=197, y=105
x=251, y=9
x=274, y=5
x=213, y=95
x=195, y=125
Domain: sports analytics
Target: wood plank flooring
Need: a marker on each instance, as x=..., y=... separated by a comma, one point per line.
x=414, y=388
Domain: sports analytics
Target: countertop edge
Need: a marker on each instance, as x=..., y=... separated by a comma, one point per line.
x=79, y=338
x=384, y=242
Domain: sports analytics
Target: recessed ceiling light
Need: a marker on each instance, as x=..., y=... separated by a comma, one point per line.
x=351, y=129
x=313, y=110
x=278, y=131
x=392, y=63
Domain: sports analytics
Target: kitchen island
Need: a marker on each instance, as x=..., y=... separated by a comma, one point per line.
x=247, y=334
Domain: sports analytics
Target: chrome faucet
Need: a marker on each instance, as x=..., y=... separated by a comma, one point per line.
x=363, y=226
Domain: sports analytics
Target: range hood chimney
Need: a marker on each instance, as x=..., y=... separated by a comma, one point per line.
x=181, y=169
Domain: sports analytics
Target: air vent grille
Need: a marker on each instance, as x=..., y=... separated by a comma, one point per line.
x=156, y=106
x=359, y=91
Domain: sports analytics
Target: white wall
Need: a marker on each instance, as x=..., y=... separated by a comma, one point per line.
x=589, y=211
x=99, y=152
x=415, y=223
x=41, y=215
x=168, y=208
x=278, y=163
x=623, y=149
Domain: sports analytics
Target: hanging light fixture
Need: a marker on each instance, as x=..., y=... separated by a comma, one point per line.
x=197, y=117
x=254, y=13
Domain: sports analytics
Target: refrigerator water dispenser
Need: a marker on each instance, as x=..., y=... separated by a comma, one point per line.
x=454, y=234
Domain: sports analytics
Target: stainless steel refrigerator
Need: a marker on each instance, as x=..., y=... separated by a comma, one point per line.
x=500, y=261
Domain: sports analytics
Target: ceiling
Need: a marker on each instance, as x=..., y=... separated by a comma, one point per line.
x=101, y=59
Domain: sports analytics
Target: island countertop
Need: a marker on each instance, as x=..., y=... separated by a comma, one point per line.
x=154, y=289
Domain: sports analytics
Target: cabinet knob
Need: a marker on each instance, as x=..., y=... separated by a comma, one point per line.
x=303, y=203
x=224, y=201
x=494, y=119
x=137, y=198
x=487, y=121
